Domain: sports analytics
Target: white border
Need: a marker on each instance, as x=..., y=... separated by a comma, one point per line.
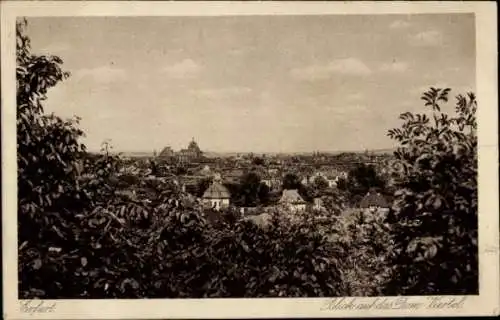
x=487, y=303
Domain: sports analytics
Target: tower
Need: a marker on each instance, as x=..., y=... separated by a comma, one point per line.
x=194, y=149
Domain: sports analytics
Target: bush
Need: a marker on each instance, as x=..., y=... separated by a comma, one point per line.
x=244, y=260
x=164, y=249
x=366, y=244
x=436, y=199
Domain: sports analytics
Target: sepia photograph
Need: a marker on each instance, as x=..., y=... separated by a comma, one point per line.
x=249, y=156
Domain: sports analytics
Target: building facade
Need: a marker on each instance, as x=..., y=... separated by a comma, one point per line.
x=374, y=202
x=193, y=153
x=216, y=196
x=293, y=200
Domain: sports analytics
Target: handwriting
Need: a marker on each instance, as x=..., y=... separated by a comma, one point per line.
x=395, y=303
x=37, y=306
x=446, y=302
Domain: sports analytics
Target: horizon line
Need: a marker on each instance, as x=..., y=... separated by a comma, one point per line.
x=260, y=152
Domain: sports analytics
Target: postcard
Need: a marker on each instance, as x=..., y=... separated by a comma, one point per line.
x=249, y=159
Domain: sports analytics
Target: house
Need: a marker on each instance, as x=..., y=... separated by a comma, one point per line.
x=233, y=175
x=273, y=182
x=305, y=180
x=333, y=176
x=293, y=200
x=272, y=171
x=190, y=182
x=318, y=204
x=311, y=178
x=374, y=201
x=332, y=180
x=216, y=196
x=206, y=171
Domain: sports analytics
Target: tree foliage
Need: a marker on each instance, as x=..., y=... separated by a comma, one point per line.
x=365, y=243
x=250, y=191
x=291, y=181
x=48, y=148
x=436, y=198
x=203, y=185
x=90, y=229
x=319, y=187
x=362, y=178
x=86, y=230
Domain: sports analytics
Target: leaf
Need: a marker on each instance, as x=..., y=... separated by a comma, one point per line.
x=37, y=264
x=24, y=244
x=55, y=249
x=132, y=282
x=122, y=211
x=59, y=233
x=431, y=252
x=412, y=247
x=437, y=203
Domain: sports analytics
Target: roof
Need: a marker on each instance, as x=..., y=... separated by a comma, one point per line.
x=373, y=199
x=234, y=173
x=205, y=170
x=193, y=146
x=291, y=196
x=166, y=152
x=216, y=191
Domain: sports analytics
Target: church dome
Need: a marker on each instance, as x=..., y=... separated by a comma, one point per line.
x=193, y=146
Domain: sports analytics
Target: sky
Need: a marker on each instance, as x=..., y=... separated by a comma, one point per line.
x=253, y=83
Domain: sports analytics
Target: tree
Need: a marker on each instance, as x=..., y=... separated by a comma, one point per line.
x=342, y=184
x=291, y=181
x=106, y=147
x=264, y=194
x=435, y=225
x=49, y=153
x=249, y=189
x=202, y=186
x=334, y=200
x=319, y=186
x=158, y=245
x=49, y=159
x=363, y=178
x=234, y=190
